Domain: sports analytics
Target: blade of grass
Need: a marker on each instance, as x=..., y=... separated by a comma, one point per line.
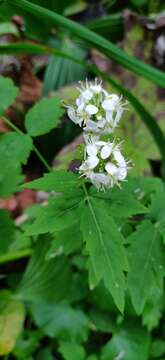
x=145, y=116
x=93, y=39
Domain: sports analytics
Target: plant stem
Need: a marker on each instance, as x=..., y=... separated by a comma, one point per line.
x=15, y=255
x=37, y=152
x=42, y=159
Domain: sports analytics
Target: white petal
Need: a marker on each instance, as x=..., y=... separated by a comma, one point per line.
x=91, y=126
x=118, y=115
x=91, y=150
x=84, y=166
x=72, y=115
x=109, y=117
x=96, y=88
x=92, y=161
x=122, y=173
x=91, y=109
x=111, y=169
x=87, y=94
x=101, y=143
x=106, y=151
x=108, y=105
x=79, y=101
x=101, y=123
x=114, y=97
x=119, y=157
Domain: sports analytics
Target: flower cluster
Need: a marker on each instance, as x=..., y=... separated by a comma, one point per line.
x=96, y=110
x=99, y=112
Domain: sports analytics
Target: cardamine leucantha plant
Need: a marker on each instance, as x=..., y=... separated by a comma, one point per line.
x=91, y=251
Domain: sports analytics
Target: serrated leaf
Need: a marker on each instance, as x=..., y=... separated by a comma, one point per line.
x=121, y=203
x=71, y=351
x=106, y=251
x=61, y=321
x=57, y=180
x=12, y=316
x=8, y=93
x=44, y=116
x=60, y=213
x=131, y=342
x=66, y=241
x=146, y=258
x=44, y=280
x=16, y=146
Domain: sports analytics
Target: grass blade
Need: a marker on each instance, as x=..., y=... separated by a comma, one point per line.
x=95, y=40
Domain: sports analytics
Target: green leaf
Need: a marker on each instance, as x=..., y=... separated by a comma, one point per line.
x=61, y=321
x=121, y=203
x=93, y=39
x=109, y=26
x=12, y=315
x=45, y=354
x=14, y=151
x=106, y=251
x=153, y=310
x=71, y=351
x=10, y=176
x=131, y=342
x=57, y=180
x=16, y=146
x=158, y=348
x=44, y=280
x=8, y=93
x=27, y=344
x=146, y=259
x=157, y=207
x=59, y=214
x=102, y=321
x=66, y=241
x=43, y=117
x=61, y=72
x=7, y=230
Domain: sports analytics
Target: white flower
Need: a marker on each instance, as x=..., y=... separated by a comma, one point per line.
x=95, y=109
x=91, y=109
x=104, y=164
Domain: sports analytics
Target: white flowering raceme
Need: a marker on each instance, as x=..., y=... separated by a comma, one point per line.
x=95, y=109
x=104, y=165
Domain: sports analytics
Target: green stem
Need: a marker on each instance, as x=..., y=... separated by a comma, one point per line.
x=42, y=159
x=37, y=152
x=15, y=255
